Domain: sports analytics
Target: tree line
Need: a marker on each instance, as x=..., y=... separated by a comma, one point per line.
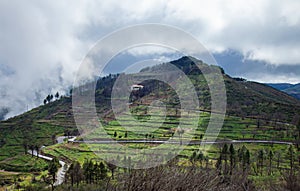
x=50, y=98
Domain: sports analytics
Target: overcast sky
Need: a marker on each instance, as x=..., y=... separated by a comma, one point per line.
x=42, y=43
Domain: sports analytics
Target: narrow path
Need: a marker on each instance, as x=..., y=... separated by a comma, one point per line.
x=177, y=142
x=60, y=175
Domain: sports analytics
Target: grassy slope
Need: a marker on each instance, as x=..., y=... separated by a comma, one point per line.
x=38, y=125
x=35, y=127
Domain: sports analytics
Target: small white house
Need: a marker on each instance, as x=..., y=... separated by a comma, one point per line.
x=136, y=87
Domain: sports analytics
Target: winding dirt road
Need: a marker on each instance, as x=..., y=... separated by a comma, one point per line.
x=60, y=175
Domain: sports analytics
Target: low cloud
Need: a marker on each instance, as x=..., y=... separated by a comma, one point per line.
x=42, y=43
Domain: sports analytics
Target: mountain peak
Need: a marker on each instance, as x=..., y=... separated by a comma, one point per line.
x=185, y=60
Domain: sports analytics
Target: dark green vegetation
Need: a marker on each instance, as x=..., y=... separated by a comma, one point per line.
x=35, y=128
x=243, y=98
x=254, y=112
x=225, y=167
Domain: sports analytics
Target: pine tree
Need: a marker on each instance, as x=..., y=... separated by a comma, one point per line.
x=247, y=160
x=219, y=164
x=71, y=174
x=260, y=160
x=52, y=169
x=57, y=95
x=75, y=173
x=200, y=158
x=232, y=157
x=112, y=168
x=103, y=171
x=271, y=154
x=193, y=157
x=291, y=157
x=48, y=98
x=37, y=149
x=224, y=154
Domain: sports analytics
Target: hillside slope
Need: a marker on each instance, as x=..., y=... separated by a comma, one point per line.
x=39, y=126
x=244, y=98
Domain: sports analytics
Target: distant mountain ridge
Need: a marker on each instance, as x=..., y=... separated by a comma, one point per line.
x=291, y=89
x=280, y=86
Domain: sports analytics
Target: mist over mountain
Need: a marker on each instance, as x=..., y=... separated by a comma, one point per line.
x=244, y=98
x=3, y=112
x=105, y=95
x=43, y=42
